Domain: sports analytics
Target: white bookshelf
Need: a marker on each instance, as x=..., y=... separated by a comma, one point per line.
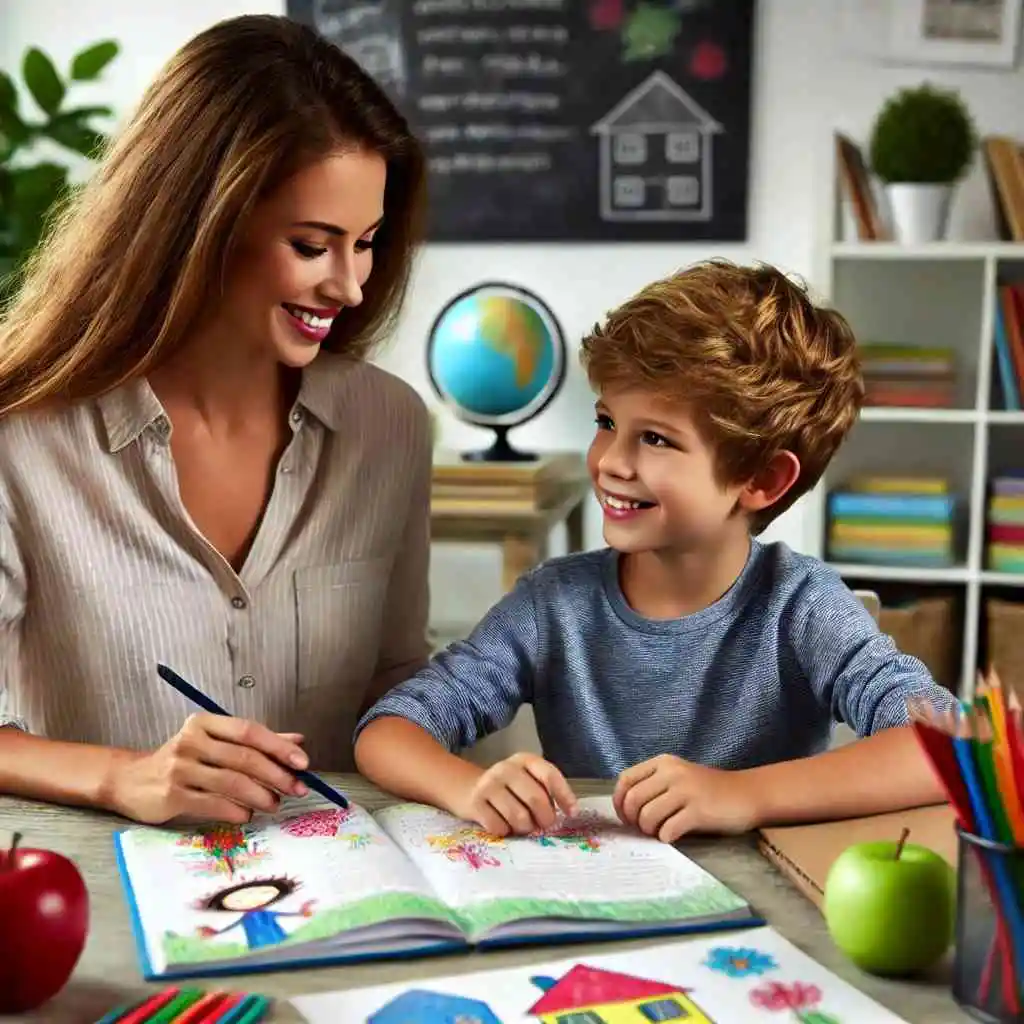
x=940, y=295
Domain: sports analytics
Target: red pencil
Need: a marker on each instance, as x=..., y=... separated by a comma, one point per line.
x=142, y=1013
x=936, y=739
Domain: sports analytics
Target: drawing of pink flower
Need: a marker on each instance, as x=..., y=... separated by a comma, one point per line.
x=796, y=996
x=473, y=855
x=317, y=824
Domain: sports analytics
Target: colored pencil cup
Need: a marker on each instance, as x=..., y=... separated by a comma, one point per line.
x=989, y=940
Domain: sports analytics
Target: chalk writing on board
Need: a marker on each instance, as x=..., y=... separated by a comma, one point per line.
x=656, y=155
x=552, y=120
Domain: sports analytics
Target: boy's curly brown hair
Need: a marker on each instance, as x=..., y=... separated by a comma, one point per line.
x=747, y=352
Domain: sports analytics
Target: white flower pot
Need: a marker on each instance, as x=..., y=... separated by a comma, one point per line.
x=920, y=213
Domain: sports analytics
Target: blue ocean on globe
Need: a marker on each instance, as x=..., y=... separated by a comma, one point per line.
x=493, y=355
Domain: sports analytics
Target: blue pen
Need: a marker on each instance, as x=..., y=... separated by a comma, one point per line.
x=199, y=698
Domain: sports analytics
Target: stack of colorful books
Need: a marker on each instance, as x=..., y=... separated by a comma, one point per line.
x=1006, y=524
x=888, y=520
x=908, y=376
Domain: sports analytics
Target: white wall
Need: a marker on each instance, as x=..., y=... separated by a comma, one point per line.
x=807, y=81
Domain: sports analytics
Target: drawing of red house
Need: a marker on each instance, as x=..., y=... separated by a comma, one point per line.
x=589, y=995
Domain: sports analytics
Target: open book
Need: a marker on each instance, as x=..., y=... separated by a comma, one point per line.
x=316, y=884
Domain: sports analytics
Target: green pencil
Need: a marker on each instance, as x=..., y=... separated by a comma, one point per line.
x=256, y=1011
x=182, y=1001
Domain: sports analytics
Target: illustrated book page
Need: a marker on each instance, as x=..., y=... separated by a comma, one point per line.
x=314, y=883
x=589, y=875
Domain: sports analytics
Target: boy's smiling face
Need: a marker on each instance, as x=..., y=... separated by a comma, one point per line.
x=655, y=478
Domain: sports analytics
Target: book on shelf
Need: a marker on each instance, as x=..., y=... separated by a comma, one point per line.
x=317, y=884
x=1004, y=167
x=855, y=184
x=1008, y=328
x=897, y=521
x=909, y=376
x=1004, y=531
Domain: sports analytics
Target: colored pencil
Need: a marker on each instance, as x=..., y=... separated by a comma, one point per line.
x=935, y=732
x=181, y=1002
x=201, y=1011
x=145, y=1010
x=219, y=1011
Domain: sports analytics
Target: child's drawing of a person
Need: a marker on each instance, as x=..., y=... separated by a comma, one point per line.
x=251, y=900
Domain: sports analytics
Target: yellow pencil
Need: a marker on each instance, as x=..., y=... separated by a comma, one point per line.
x=1002, y=757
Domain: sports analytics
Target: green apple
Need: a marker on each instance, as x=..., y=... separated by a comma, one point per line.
x=891, y=906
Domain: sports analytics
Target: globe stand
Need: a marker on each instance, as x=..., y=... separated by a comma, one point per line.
x=500, y=451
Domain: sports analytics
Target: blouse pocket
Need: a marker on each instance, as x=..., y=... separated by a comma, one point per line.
x=340, y=611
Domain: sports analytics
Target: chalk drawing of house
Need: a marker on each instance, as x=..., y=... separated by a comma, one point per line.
x=589, y=995
x=655, y=155
x=420, y=1006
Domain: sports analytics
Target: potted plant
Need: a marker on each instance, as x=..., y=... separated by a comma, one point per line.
x=922, y=143
x=30, y=186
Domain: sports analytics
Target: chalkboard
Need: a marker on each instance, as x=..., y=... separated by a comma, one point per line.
x=566, y=120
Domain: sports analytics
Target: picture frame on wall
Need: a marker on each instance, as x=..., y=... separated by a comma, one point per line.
x=978, y=32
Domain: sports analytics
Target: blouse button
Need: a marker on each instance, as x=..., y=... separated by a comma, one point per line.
x=247, y=682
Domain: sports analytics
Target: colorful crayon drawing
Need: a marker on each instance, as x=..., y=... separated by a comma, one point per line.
x=420, y=1006
x=591, y=994
x=322, y=824
x=604, y=15
x=650, y=32
x=221, y=850
x=579, y=832
x=799, y=999
x=470, y=845
x=359, y=840
x=740, y=962
x=251, y=900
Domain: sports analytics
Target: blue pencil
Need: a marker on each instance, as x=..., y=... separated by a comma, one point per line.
x=962, y=747
x=314, y=782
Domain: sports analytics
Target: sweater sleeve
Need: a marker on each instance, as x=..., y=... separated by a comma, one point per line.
x=853, y=667
x=475, y=686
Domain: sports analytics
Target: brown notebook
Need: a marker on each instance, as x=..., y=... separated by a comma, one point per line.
x=805, y=853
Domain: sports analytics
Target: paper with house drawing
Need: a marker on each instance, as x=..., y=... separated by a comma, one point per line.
x=750, y=976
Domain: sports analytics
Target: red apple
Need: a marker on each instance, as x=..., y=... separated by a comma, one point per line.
x=44, y=920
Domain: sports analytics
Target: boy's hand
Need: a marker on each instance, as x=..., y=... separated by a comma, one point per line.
x=668, y=797
x=519, y=795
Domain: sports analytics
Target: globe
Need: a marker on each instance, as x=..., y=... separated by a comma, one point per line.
x=496, y=358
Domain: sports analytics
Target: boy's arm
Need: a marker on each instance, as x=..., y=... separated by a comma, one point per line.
x=406, y=743
x=857, y=672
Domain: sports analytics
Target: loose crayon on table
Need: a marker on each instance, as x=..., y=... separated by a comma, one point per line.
x=181, y=1002
x=256, y=1012
x=145, y=1010
x=197, y=1013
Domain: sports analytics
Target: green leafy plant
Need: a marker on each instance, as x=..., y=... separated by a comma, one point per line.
x=923, y=135
x=29, y=186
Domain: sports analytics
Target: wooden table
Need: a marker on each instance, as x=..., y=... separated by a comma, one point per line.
x=108, y=972
x=514, y=504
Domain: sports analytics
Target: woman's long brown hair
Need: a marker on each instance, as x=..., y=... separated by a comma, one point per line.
x=140, y=253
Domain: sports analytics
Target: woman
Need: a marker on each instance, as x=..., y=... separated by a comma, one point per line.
x=185, y=477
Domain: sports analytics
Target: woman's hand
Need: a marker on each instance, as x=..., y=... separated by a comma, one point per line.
x=215, y=768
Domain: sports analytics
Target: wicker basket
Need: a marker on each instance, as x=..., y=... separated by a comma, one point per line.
x=926, y=629
x=1006, y=641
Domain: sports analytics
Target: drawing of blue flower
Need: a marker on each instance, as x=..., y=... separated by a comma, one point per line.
x=739, y=962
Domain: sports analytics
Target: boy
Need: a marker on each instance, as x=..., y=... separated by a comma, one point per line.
x=697, y=666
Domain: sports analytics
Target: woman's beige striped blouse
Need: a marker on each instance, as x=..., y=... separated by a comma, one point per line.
x=102, y=573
